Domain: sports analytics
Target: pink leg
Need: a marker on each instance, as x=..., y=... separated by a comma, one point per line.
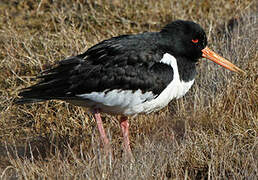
x=125, y=130
x=101, y=128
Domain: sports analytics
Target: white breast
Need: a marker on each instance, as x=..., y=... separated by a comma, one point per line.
x=175, y=89
x=130, y=102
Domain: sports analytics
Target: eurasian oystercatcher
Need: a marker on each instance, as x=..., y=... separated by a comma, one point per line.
x=128, y=74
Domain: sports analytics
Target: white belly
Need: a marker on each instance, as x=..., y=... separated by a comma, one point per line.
x=114, y=101
x=175, y=90
x=130, y=102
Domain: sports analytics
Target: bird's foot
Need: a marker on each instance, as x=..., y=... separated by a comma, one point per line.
x=105, y=141
x=124, y=124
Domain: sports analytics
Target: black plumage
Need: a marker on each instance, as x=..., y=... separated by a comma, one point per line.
x=127, y=62
x=129, y=74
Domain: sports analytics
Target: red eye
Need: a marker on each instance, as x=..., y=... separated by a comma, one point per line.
x=195, y=40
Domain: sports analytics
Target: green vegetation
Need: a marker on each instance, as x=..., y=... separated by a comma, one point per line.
x=210, y=133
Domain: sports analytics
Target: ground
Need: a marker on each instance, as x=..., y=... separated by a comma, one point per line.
x=210, y=133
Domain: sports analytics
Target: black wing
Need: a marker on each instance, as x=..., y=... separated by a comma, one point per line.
x=129, y=62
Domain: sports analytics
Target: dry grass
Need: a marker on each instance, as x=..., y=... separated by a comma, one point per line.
x=215, y=125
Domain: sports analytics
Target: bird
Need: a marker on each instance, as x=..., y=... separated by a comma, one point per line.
x=128, y=74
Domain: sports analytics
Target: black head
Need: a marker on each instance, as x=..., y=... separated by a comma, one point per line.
x=184, y=39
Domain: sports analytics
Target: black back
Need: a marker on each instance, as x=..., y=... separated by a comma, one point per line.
x=128, y=62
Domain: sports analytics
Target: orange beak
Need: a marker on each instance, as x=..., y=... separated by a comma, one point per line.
x=209, y=54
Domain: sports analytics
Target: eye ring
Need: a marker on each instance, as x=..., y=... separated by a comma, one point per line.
x=195, y=40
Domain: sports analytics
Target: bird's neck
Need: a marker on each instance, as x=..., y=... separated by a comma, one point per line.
x=186, y=69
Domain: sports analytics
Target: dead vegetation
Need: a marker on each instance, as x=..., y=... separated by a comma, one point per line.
x=214, y=127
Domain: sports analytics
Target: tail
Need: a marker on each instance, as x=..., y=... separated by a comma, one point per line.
x=24, y=100
x=54, y=82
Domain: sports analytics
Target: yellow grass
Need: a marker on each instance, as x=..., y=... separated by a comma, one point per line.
x=214, y=126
